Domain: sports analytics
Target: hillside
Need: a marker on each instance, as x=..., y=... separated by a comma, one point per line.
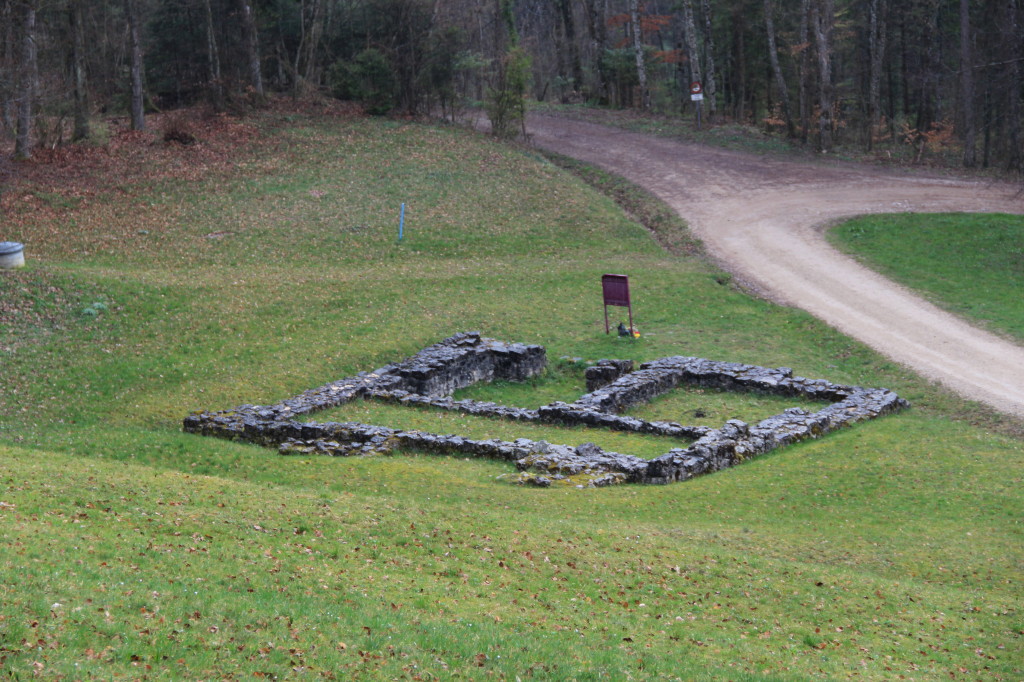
x=246, y=276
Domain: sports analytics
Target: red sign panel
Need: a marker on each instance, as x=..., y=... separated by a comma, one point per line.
x=616, y=292
x=616, y=289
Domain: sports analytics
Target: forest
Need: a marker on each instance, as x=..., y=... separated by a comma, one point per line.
x=824, y=73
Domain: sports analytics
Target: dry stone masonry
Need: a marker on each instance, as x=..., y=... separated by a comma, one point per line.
x=430, y=377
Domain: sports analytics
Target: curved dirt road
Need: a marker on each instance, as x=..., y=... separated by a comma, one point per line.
x=763, y=219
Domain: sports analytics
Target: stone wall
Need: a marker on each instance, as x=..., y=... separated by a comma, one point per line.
x=432, y=375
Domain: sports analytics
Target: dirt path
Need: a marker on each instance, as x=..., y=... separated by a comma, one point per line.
x=763, y=219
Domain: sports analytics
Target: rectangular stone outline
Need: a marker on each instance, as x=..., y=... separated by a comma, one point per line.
x=432, y=375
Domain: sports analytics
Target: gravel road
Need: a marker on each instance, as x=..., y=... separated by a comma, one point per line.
x=763, y=219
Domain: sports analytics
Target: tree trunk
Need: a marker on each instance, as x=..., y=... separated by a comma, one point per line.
x=986, y=138
x=599, y=43
x=692, y=54
x=891, y=90
x=822, y=18
x=967, y=84
x=311, y=27
x=692, y=48
x=135, y=48
x=904, y=79
x=569, y=32
x=737, y=95
x=638, y=50
x=252, y=47
x=1015, y=53
x=7, y=86
x=928, y=70
x=773, y=57
x=81, y=124
x=312, y=31
x=709, y=62
x=216, y=83
x=804, y=70
x=27, y=90
x=876, y=48
x=296, y=66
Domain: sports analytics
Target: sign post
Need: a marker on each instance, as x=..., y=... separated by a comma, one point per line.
x=697, y=96
x=616, y=292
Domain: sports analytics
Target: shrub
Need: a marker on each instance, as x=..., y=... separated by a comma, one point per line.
x=506, y=103
x=367, y=78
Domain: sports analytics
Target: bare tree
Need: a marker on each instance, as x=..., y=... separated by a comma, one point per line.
x=7, y=86
x=638, y=50
x=773, y=57
x=29, y=75
x=822, y=18
x=307, y=66
x=690, y=34
x=1015, y=54
x=598, y=43
x=967, y=83
x=692, y=49
x=216, y=83
x=916, y=64
x=569, y=32
x=252, y=47
x=804, y=69
x=710, y=87
x=876, y=47
x=81, y=124
x=135, y=50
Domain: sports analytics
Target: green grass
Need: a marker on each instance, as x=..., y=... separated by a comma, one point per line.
x=972, y=265
x=713, y=407
x=482, y=428
x=562, y=380
x=133, y=550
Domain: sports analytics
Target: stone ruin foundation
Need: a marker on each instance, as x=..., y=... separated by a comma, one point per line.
x=430, y=377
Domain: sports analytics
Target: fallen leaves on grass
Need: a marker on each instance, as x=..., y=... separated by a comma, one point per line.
x=30, y=307
x=43, y=196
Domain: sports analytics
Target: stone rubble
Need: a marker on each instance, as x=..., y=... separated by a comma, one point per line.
x=605, y=372
x=432, y=375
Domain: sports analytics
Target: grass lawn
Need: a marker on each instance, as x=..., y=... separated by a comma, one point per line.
x=969, y=264
x=133, y=550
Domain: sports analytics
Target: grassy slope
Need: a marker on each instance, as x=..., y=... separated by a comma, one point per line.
x=970, y=264
x=888, y=549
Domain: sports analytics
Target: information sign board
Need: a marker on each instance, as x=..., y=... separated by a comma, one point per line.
x=616, y=292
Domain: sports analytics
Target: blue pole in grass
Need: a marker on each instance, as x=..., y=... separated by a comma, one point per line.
x=401, y=223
